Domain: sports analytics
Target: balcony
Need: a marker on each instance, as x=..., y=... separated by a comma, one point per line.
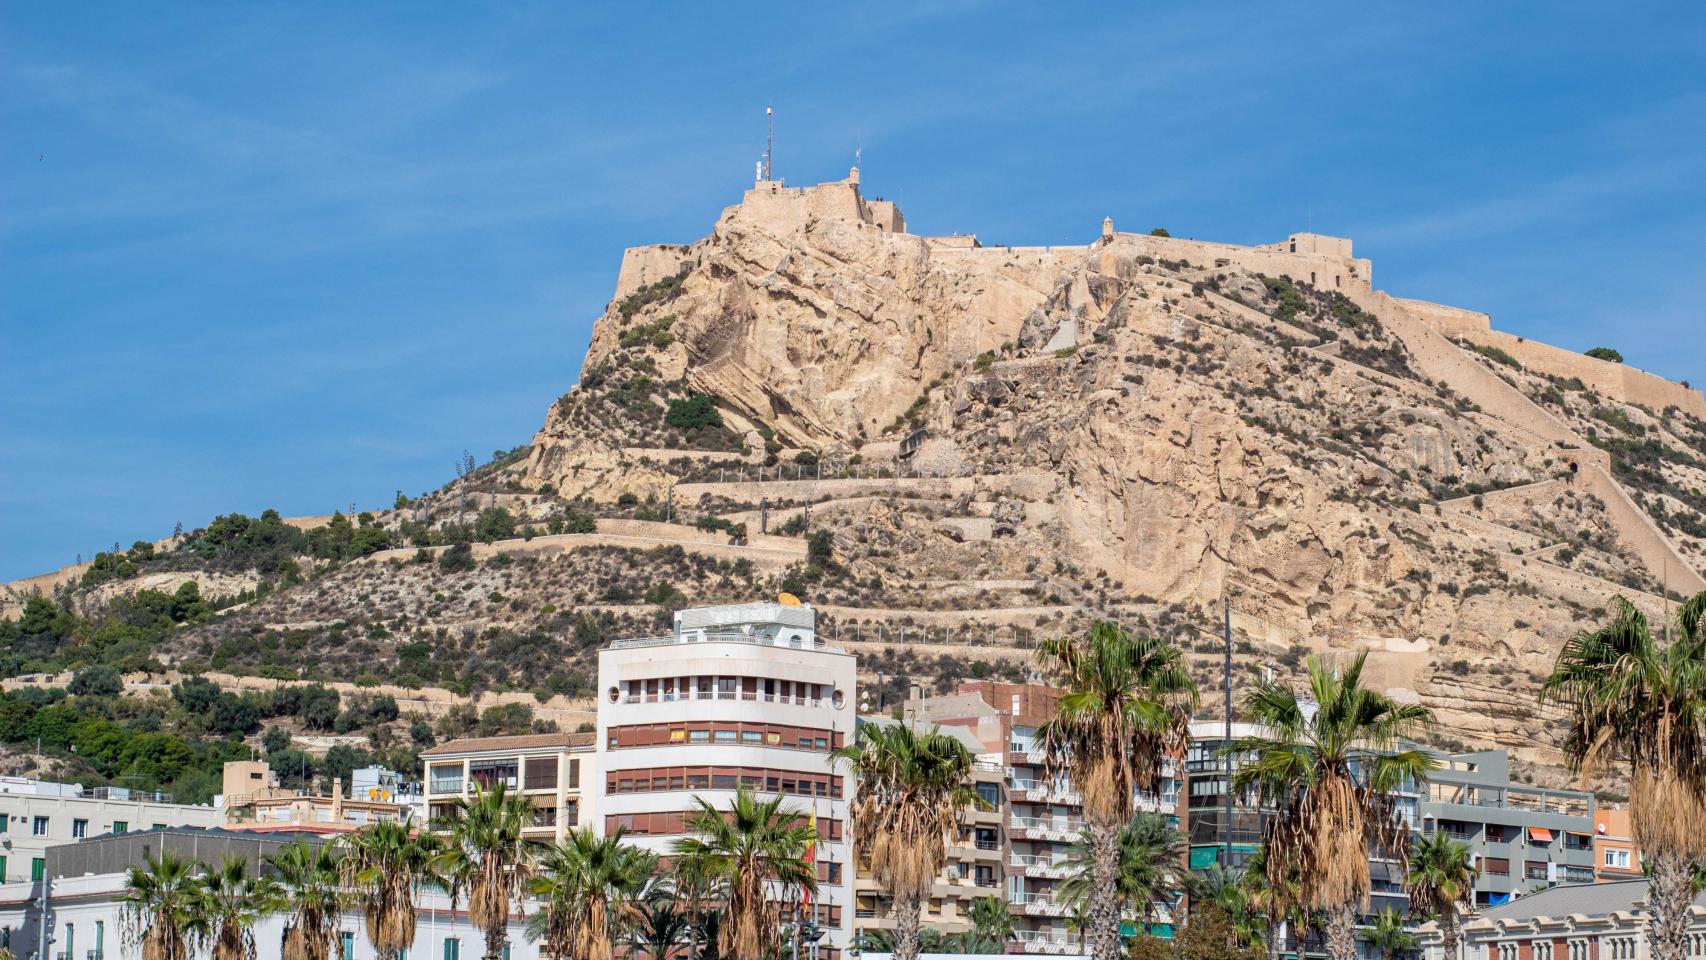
x=1041, y=791
x=1059, y=829
x=1048, y=941
x=1041, y=905
x=1037, y=865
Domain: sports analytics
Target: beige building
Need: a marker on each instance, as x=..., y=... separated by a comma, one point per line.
x=252, y=797
x=974, y=868
x=555, y=770
x=1039, y=819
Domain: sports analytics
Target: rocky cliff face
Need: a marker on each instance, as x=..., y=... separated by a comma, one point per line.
x=1019, y=438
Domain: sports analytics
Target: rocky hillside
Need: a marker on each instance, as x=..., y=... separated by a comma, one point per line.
x=950, y=448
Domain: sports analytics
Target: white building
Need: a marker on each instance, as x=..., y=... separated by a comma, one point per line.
x=739, y=695
x=85, y=916
x=37, y=814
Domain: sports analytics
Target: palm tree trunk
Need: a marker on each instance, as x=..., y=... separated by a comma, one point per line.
x=1104, y=919
x=1448, y=933
x=495, y=937
x=906, y=911
x=1342, y=933
x=1669, y=894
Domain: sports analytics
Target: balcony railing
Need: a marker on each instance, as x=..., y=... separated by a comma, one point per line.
x=706, y=636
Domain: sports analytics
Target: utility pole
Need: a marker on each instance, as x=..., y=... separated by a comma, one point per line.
x=1226, y=616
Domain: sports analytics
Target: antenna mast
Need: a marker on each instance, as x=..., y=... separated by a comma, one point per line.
x=769, y=138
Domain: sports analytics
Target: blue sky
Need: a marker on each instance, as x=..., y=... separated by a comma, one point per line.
x=303, y=255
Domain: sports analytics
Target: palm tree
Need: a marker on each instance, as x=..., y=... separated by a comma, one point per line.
x=1389, y=936
x=695, y=885
x=1271, y=906
x=386, y=865
x=752, y=845
x=308, y=874
x=1126, y=711
x=1329, y=770
x=1226, y=891
x=659, y=927
x=1442, y=882
x=1149, y=866
x=909, y=791
x=487, y=859
x=992, y=926
x=158, y=904
x=225, y=905
x=1632, y=699
x=585, y=883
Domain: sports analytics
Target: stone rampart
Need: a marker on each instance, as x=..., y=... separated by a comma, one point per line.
x=642, y=266
x=1345, y=274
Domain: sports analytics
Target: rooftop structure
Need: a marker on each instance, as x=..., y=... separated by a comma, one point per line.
x=251, y=795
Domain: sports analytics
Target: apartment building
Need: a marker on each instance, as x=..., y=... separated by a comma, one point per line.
x=976, y=853
x=555, y=770
x=1041, y=818
x=252, y=797
x=1615, y=855
x=1524, y=838
x=742, y=695
x=38, y=814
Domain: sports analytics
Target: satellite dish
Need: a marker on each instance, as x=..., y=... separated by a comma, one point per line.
x=788, y=600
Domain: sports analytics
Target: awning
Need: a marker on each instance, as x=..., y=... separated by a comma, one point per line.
x=1540, y=834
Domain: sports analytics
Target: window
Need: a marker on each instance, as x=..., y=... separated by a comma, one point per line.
x=5, y=822
x=158, y=826
x=120, y=826
x=38, y=869
x=346, y=943
x=989, y=793
x=574, y=774
x=1617, y=858
x=452, y=948
x=38, y=827
x=444, y=778
x=79, y=829
x=3, y=877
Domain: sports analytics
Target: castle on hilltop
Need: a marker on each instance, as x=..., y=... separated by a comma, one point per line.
x=1324, y=262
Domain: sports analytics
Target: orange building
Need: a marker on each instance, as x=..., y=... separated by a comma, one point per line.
x=1614, y=853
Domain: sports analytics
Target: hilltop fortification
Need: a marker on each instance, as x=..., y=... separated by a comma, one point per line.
x=1139, y=424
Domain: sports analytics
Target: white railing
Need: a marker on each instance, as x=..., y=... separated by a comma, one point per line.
x=1047, y=941
x=1064, y=826
x=733, y=636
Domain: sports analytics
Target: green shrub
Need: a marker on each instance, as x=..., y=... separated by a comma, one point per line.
x=1605, y=353
x=696, y=411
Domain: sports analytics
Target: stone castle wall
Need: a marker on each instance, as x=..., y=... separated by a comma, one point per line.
x=1616, y=380
x=1326, y=270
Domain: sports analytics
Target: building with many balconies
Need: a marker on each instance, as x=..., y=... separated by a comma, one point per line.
x=550, y=768
x=1041, y=818
x=976, y=854
x=1524, y=838
x=743, y=695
